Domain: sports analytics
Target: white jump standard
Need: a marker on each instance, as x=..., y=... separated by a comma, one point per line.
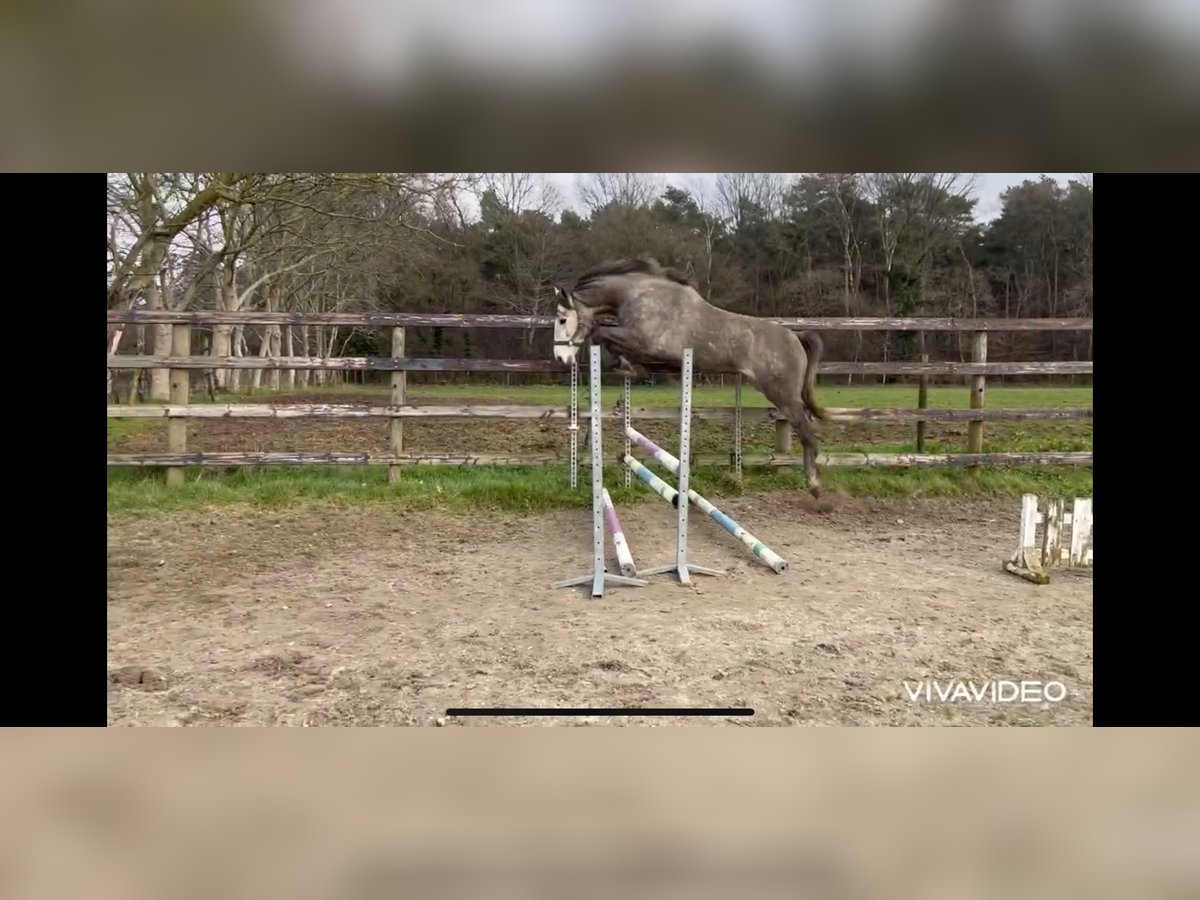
x=599, y=575
x=672, y=495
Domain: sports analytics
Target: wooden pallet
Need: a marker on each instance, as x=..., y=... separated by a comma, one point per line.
x=1064, y=540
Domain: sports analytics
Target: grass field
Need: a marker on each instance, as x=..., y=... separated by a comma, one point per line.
x=538, y=489
x=892, y=395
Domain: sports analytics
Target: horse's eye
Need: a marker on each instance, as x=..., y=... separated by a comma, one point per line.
x=562, y=321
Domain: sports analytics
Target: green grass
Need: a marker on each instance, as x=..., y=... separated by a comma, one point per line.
x=1030, y=436
x=120, y=429
x=537, y=489
x=898, y=396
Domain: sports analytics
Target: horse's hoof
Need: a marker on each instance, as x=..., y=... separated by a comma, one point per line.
x=815, y=490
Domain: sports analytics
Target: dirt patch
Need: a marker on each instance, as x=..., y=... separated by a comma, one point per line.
x=321, y=615
x=136, y=678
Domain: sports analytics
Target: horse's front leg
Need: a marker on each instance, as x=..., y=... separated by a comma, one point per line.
x=616, y=340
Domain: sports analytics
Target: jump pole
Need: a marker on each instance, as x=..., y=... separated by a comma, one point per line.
x=652, y=481
x=760, y=550
x=599, y=575
x=681, y=566
x=624, y=557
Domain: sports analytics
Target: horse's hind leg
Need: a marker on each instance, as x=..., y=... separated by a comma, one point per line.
x=794, y=410
x=802, y=423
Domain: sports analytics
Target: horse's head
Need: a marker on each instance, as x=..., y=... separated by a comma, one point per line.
x=572, y=325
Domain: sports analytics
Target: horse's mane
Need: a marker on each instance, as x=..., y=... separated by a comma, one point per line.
x=645, y=265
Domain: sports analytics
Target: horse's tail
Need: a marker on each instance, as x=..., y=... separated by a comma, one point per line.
x=814, y=346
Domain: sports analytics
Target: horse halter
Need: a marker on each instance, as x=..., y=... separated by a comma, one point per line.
x=570, y=342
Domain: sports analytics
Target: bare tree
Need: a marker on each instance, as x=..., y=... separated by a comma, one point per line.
x=839, y=196
x=633, y=189
x=707, y=201
x=914, y=211
x=735, y=191
x=524, y=192
x=147, y=213
x=522, y=242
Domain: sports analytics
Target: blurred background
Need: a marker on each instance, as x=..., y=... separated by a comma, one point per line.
x=562, y=813
x=618, y=85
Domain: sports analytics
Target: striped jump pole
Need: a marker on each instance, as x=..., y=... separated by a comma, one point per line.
x=624, y=557
x=760, y=550
x=651, y=480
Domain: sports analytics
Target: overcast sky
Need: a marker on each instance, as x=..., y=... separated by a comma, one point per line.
x=988, y=186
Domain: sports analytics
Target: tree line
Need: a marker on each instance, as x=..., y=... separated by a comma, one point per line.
x=843, y=244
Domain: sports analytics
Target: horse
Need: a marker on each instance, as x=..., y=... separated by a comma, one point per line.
x=647, y=315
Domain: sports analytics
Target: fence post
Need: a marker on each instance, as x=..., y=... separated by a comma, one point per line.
x=922, y=394
x=399, y=383
x=737, y=428
x=181, y=345
x=783, y=436
x=978, y=384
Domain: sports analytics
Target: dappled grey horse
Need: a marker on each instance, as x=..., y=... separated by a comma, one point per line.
x=646, y=315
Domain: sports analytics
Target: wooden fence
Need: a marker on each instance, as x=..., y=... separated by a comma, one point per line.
x=180, y=362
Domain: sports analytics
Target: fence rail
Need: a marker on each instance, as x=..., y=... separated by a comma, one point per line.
x=179, y=411
x=449, y=364
x=840, y=415
x=489, y=320
x=143, y=460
